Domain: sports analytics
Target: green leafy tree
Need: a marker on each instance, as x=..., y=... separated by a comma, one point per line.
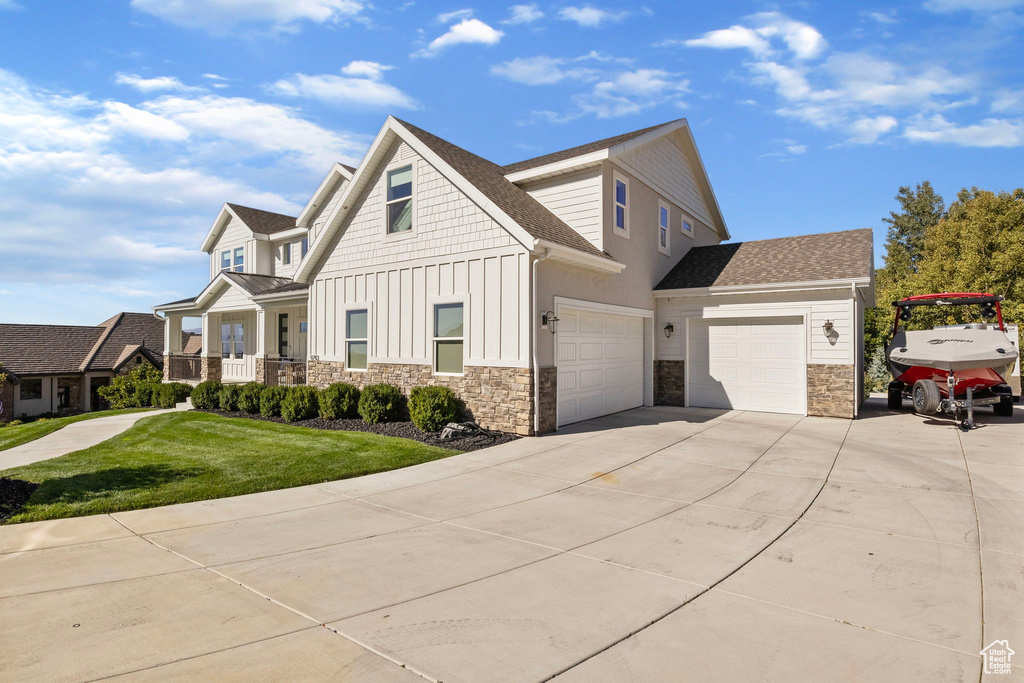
x=124, y=390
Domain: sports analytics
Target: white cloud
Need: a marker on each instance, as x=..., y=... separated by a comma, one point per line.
x=541, y=70
x=219, y=15
x=867, y=130
x=214, y=77
x=796, y=149
x=730, y=38
x=466, y=31
x=974, y=5
x=631, y=92
x=524, y=14
x=1008, y=100
x=590, y=17
x=9, y=5
x=363, y=69
x=987, y=133
x=802, y=40
x=459, y=14
x=361, y=87
x=128, y=119
x=886, y=17
x=149, y=85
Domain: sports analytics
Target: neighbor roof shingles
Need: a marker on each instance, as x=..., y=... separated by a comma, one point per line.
x=490, y=179
x=263, y=222
x=46, y=349
x=807, y=258
x=125, y=329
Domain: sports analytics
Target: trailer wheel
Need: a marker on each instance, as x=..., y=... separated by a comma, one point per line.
x=895, y=397
x=1005, y=407
x=926, y=397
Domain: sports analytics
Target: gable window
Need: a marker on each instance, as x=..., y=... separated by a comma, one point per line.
x=621, y=205
x=399, y=201
x=663, y=228
x=232, y=340
x=239, y=259
x=356, y=345
x=286, y=253
x=305, y=246
x=225, y=260
x=448, y=339
x=687, y=226
x=30, y=389
x=282, y=335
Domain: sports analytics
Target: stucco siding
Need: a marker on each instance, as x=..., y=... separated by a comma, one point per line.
x=576, y=199
x=669, y=167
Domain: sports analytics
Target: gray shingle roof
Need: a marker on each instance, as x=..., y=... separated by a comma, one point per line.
x=127, y=329
x=263, y=222
x=806, y=258
x=580, y=150
x=490, y=179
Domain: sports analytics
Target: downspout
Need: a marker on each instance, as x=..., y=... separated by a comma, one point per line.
x=535, y=328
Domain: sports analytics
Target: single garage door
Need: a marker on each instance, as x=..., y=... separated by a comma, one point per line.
x=748, y=364
x=600, y=364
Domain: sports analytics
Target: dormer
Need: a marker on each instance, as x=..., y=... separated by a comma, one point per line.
x=247, y=240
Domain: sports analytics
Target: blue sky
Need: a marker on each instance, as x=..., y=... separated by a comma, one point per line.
x=125, y=124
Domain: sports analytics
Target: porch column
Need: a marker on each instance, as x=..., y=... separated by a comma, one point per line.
x=172, y=342
x=210, y=368
x=263, y=343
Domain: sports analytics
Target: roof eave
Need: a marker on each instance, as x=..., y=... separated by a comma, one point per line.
x=837, y=283
x=317, y=200
x=558, y=167
x=557, y=252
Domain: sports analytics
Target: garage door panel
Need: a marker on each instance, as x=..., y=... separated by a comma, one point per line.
x=600, y=365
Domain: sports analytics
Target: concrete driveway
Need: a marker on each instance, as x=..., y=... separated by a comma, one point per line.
x=660, y=544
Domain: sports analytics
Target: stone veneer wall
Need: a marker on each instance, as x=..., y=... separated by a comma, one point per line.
x=831, y=390
x=209, y=368
x=7, y=399
x=261, y=369
x=74, y=385
x=669, y=383
x=548, y=400
x=496, y=398
x=167, y=367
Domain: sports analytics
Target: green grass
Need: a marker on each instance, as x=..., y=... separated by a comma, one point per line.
x=30, y=431
x=189, y=456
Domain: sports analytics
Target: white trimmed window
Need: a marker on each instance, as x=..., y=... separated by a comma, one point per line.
x=232, y=340
x=620, y=205
x=239, y=259
x=286, y=253
x=449, y=341
x=686, y=226
x=399, y=200
x=305, y=246
x=664, y=246
x=356, y=340
x=30, y=389
x=225, y=260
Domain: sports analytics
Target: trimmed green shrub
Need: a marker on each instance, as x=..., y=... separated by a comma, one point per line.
x=122, y=392
x=380, y=403
x=271, y=399
x=228, y=397
x=206, y=395
x=431, y=408
x=144, y=393
x=170, y=394
x=338, y=401
x=249, y=398
x=301, y=403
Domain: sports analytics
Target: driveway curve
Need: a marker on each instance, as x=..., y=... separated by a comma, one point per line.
x=660, y=544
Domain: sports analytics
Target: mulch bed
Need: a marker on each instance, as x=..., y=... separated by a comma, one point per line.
x=14, y=493
x=404, y=430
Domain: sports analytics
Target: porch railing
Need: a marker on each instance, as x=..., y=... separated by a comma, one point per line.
x=187, y=367
x=285, y=373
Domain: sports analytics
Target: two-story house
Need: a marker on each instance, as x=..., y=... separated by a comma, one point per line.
x=544, y=292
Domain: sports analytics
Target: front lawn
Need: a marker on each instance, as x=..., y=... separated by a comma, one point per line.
x=30, y=431
x=189, y=456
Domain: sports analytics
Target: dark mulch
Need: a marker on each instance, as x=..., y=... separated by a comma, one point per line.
x=404, y=430
x=14, y=493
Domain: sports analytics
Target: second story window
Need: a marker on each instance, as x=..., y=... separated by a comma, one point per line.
x=399, y=201
x=620, y=204
x=663, y=229
x=239, y=259
x=305, y=246
x=225, y=260
x=286, y=253
x=687, y=227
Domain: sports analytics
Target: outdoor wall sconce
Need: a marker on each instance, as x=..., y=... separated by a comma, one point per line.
x=550, y=321
x=669, y=329
x=829, y=329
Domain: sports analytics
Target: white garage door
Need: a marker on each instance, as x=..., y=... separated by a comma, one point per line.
x=600, y=364
x=748, y=364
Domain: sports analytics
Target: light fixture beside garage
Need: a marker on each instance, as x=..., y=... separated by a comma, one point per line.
x=829, y=329
x=550, y=321
x=669, y=329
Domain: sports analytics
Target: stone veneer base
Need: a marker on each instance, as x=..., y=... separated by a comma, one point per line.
x=7, y=401
x=831, y=390
x=669, y=383
x=209, y=368
x=548, y=400
x=495, y=397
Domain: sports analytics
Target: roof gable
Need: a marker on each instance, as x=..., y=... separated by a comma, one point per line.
x=338, y=174
x=257, y=221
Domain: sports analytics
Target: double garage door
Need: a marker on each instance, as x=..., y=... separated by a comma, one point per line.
x=748, y=364
x=600, y=364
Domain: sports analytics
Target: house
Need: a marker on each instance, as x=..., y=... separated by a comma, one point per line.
x=544, y=292
x=60, y=368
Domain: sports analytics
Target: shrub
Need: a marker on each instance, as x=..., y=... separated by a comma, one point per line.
x=206, y=395
x=170, y=394
x=271, y=399
x=338, y=401
x=228, y=397
x=431, y=408
x=144, y=393
x=301, y=403
x=249, y=398
x=14, y=423
x=380, y=403
x=122, y=392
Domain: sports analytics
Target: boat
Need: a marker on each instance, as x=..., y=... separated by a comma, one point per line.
x=952, y=369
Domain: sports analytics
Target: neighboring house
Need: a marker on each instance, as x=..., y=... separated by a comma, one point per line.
x=592, y=274
x=59, y=368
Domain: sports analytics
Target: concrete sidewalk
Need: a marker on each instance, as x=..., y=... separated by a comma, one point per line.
x=76, y=436
x=660, y=544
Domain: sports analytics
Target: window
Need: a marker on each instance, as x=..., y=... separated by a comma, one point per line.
x=303, y=327
x=239, y=259
x=663, y=228
x=356, y=346
x=305, y=246
x=30, y=389
x=225, y=260
x=448, y=339
x=687, y=226
x=232, y=340
x=621, y=198
x=286, y=253
x=282, y=335
x=399, y=201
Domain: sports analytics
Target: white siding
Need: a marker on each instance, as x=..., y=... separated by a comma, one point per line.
x=282, y=269
x=235, y=234
x=576, y=199
x=834, y=305
x=665, y=164
x=320, y=219
x=230, y=299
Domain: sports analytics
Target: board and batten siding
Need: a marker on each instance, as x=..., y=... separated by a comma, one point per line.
x=664, y=163
x=834, y=305
x=576, y=199
x=456, y=252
